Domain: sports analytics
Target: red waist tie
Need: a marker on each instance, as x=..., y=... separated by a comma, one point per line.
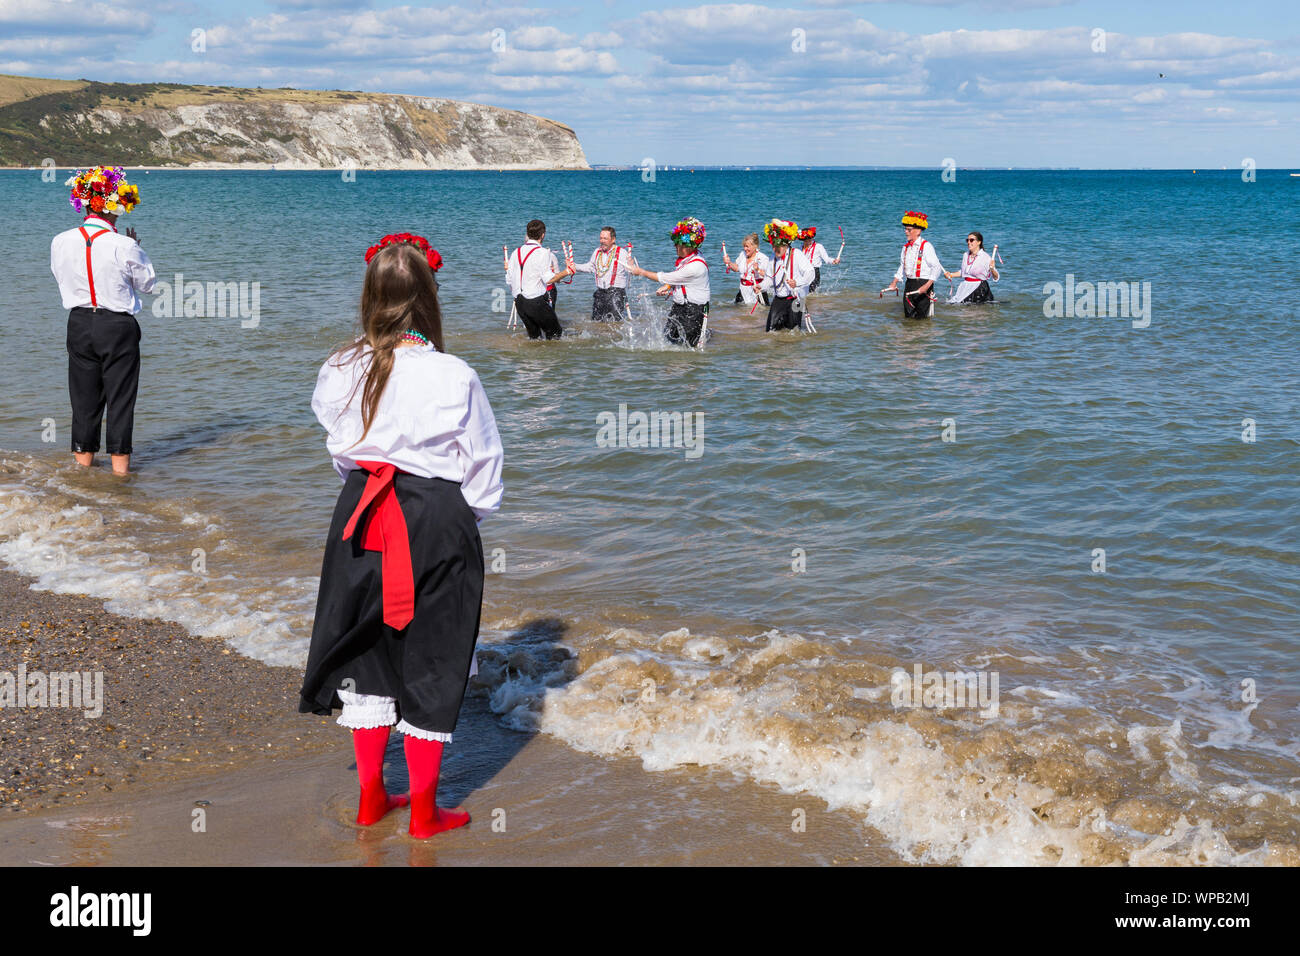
x=386, y=533
x=972, y=279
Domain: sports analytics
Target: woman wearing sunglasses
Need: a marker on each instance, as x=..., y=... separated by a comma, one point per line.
x=976, y=268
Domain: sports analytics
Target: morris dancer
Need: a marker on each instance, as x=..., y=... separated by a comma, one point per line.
x=609, y=302
x=976, y=268
x=687, y=283
x=401, y=588
x=788, y=282
x=817, y=255
x=101, y=274
x=920, y=264
x=529, y=276
x=751, y=262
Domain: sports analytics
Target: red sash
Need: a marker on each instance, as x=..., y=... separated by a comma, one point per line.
x=385, y=532
x=90, y=273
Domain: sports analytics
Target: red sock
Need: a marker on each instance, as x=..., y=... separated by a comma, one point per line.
x=423, y=761
x=369, y=743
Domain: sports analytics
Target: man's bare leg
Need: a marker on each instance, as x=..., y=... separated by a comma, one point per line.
x=121, y=464
x=84, y=458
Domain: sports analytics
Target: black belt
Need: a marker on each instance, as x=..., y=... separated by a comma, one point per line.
x=100, y=310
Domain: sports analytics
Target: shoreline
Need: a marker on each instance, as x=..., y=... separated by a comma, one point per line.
x=278, y=788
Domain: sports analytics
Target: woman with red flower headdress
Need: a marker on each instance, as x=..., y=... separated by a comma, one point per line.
x=413, y=437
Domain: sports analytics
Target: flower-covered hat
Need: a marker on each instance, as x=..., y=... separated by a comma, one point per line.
x=410, y=238
x=917, y=219
x=103, y=189
x=780, y=232
x=809, y=233
x=688, y=232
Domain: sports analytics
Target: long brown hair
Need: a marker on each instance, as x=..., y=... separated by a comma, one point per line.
x=399, y=294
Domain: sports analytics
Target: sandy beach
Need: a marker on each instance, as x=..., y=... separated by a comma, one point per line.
x=200, y=758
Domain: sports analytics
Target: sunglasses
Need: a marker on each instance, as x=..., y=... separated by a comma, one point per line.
x=972, y=240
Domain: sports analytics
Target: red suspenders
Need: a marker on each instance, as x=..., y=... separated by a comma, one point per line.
x=90, y=272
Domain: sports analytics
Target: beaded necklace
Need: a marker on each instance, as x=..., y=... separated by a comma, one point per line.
x=414, y=337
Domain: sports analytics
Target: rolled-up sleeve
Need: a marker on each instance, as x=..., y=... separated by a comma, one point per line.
x=482, y=454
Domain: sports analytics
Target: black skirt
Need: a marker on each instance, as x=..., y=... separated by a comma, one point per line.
x=917, y=306
x=983, y=293
x=425, y=666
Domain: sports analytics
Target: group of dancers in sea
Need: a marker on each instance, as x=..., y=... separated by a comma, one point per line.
x=412, y=436
x=781, y=281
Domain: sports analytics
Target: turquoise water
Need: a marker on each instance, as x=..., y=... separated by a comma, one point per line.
x=826, y=535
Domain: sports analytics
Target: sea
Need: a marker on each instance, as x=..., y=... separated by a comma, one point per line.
x=1014, y=585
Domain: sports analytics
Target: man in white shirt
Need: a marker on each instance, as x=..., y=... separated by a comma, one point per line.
x=101, y=274
x=609, y=265
x=751, y=263
x=919, y=265
x=817, y=255
x=530, y=270
x=687, y=284
x=789, y=279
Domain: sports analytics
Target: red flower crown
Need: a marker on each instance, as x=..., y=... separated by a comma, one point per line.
x=421, y=243
x=809, y=233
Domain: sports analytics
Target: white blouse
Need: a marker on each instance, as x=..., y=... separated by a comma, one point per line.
x=979, y=266
x=433, y=420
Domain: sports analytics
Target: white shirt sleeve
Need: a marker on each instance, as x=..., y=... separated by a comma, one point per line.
x=692, y=270
x=589, y=266
x=139, y=268
x=902, y=261
x=934, y=269
x=513, y=278
x=480, y=448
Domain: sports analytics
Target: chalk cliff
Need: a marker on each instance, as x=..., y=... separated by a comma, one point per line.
x=158, y=124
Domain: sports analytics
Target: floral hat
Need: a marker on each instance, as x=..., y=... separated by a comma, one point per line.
x=688, y=232
x=917, y=219
x=103, y=189
x=409, y=238
x=780, y=232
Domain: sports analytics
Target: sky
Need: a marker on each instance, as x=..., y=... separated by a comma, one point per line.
x=817, y=82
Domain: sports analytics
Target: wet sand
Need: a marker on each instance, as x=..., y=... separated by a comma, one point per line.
x=200, y=758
